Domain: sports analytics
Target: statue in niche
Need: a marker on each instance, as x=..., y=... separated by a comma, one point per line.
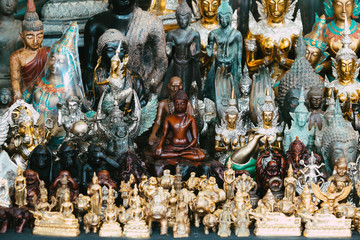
x=316, y=100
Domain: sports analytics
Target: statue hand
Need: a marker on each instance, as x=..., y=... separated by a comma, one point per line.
x=159, y=151
x=153, y=139
x=168, y=48
x=17, y=95
x=268, y=60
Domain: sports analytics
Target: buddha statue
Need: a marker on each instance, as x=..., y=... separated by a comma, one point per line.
x=183, y=49
x=146, y=38
x=316, y=100
x=339, y=139
x=273, y=37
x=244, y=99
x=346, y=70
x=209, y=21
x=180, y=147
x=341, y=11
x=230, y=134
x=299, y=126
x=9, y=40
x=62, y=79
x=228, y=54
x=27, y=63
x=300, y=75
x=316, y=45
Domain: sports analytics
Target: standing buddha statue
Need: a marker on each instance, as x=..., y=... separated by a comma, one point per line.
x=346, y=70
x=274, y=36
x=341, y=11
x=244, y=99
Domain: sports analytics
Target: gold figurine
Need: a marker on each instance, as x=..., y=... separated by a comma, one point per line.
x=340, y=178
x=110, y=227
x=229, y=181
x=181, y=227
x=96, y=196
x=20, y=189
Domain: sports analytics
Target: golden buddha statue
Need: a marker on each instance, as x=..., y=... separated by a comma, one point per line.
x=341, y=11
x=208, y=22
x=345, y=69
x=275, y=36
x=96, y=196
x=20, y=189
x=110, y=227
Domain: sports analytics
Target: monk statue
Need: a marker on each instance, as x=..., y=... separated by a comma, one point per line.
x=178, y=124
x=183, y=47
x=9, y=38
x=27, y=63
x=166, y=107
x=145, y=36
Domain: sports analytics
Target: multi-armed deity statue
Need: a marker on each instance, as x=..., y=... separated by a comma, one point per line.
x=26, y=64
x=273, y=37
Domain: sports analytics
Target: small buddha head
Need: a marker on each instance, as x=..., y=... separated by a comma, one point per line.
x=224, y=14
x=180, y=101
x=73, y=104
x=301, y=114
x=95, y=179
x=208, y=9
x=5, y=96
x=245, y=83
x=8, y=7
x=315, y=97
x=183, y=14
x=175, y=84
x=276, y=9
x=341, y=166
x=343, y=9
x=232, y=113
x=122, y=6
x=268, y=110
x=229, y=164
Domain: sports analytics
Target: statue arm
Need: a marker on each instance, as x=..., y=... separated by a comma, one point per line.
x=163, y=137
x=197, y=42
x=210, y=46
x=15, y=75
x=240, y=47
x=194, y=133
x=169, y=44
x=157, y=123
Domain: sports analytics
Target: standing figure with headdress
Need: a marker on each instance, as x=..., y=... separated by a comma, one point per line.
x=228, y=54
x=244, y=99
x=183, y=47
x=27, y=63
x=62, y=79
x=274, y=37
x=346, y=70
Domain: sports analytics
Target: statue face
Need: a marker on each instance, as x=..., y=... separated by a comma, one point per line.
x=57, y=64
x=122, y=5
x=174, y=86
x=180, y=106
x=183, y=20
x=121, y=131
x=231, y=120
x=291, y=101
x=313, y=55
x=110, y=50
x=209, y=8
x=346, y=68
x=277, y=9
x=245, y=89
x=224, y=20
x=341, y=149
x=343, y=8
x=5, y=97
x=73, y=107
x=26, y=131
x=341, y=169
x=32, y=39
x=315, y=102
x=301, y=119
x=8, y=7
x=267, y=118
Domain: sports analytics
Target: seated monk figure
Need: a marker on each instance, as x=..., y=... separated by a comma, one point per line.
x=178, y=124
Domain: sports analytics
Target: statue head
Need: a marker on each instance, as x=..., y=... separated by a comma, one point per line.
x=5, y=96
x=180, y=101
x=208, y=10
x=107, y=45
x=8, y=7
x=68, y=154
x=331, y=188
x=183, y=14
x=290, y=171
x=73, y=104
x=95, y=155
x=268, y=110
x=296, y=151
x=175, y=84
x=339, y=139
x=245, y=83
x=346, y=62
x=341, y=166
x=315, y=43
x=224, y=14
x=95, y=179
x=41, y=157
x=19, y=171
x=32, y=177
x=153, y=181
x=301, y=114
x=229, y=164
x=315, y=97
x=104, y=176
x=232, y=113
x=122, y=6
x=306, y=195
x=276, y=9
x=343, y=9
x=32, y=33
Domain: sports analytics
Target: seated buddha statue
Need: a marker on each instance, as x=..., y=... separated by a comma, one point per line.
x=346, y=69
x=339, y=11
x=273, y=37
x=27, y=63
x=179, y=123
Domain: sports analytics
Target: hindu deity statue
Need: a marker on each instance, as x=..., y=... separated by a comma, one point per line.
x=345, y=70
x=27, y=63
x=300, y=75
x=209, y=21
x=228, y=41
x=315, y=99
x=339, y=139
x=244, y=99
x=183, y=48
x=340, y=11
x=146, y=38
x=299, y=126
x=316, y=45
x=10, y=39
x=273, y=37
x=61, y=80
x=230, y=135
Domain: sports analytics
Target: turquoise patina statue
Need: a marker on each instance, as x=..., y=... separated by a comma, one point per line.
x=299, y=126
x=228, y=42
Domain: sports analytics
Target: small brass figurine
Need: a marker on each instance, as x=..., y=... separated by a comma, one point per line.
x=110, y=227
x=167, y=180
x=181, y=227
x=340, y=178
x=229, y=181
x=95, y=192
x=305, y=204
x=290, y=185
x=225, y=221
x=20, y=189
x=241, y=219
